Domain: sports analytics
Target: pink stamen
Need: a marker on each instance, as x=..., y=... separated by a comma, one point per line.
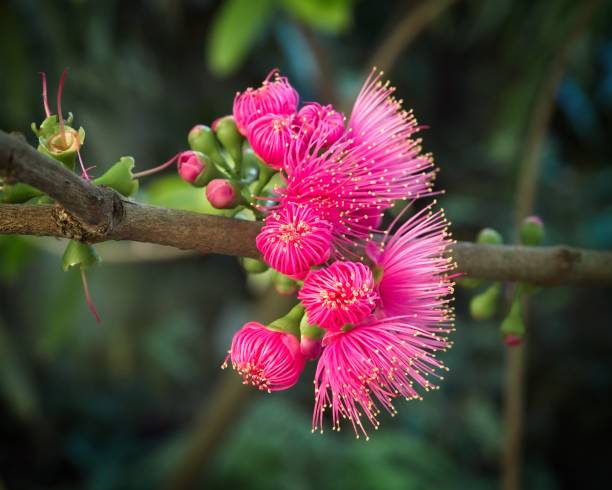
x=154, y=170
x=84, y=174
x=88, y=299
x=43, y=77
x=60, y=88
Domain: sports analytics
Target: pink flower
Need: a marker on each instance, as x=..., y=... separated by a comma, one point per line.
x=339, y=294
x=270, y=137
x=374, y=164
x=412, y=272
x=267, y=359
x=293, y=239
x=367, y=367
x=273, y=97
x=322, y=122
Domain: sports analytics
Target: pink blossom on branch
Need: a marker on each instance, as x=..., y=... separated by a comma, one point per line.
x=293, y=239
x=270, y=137
x=337, y=295
x=267, y=359
x=375, y=163
x=274, y=96
x=321, y=122
x=412, y=272
x=365, y=369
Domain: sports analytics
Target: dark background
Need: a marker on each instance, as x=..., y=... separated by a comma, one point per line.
x=139, y=402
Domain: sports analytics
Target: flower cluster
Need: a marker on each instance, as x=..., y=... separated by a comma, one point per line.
x=374, y=301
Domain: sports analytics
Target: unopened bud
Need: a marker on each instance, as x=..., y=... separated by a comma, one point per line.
x=201, y=138
x=513, y=328
x=194, y=167
x=223, y=194
x=483, y=306
x=489, y=236
x=310, y=339
x=229, y=136
x=532, y=231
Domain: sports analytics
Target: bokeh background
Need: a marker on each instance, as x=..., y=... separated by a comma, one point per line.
x=139, y=402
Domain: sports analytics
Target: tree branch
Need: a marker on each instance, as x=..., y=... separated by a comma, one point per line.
x=94, y=214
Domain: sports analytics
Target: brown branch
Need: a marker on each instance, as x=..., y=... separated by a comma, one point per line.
x=75, y=217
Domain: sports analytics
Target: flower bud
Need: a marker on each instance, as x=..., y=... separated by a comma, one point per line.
x=120, y=177
x=290, y=323
x=194, y=167
x=253, y=266
x=202, y=138
x=310, y=339
x=223, y=194
x=229, y=136
x=532, y=231
x=489, y=236
x=483, y=306
x=513, y=328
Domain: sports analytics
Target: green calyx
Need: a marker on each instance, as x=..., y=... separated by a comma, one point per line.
x=489, y=236
x=229, y=136
x=513, y=323
x=81, y=254
x=309, y=331
x=484, y=305
x=253, y=266
x=61, y=145
x=531, y=231
x=209, y=171
x=120, y=177
x=377, y=273
x=290, y=323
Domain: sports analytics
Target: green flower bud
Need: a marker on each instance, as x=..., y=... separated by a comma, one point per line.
x=120, y=177
x=229, y=136
x=253, y=266
x=81, y=254
x=483, y=306
x=202, y=138
x=532, y=231
x=290, y=323
x=18, y=193
x=249, y=170
x=489, y=236
x=513, y=328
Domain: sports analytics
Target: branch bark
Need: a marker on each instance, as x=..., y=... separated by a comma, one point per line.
x=94, y=214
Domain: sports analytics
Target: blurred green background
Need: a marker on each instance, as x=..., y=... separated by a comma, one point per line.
x=139, y=402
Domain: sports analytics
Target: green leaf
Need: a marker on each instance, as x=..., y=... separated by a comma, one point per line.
x=234, y=30
x=329, y=15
